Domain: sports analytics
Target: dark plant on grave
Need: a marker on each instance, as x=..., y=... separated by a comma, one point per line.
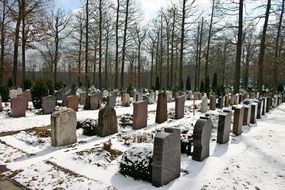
x=4, y=93
x=280, y=88
x=27, y=84
x=136, y=162
x=107, y=145
x=39, y=90
x=88, y=126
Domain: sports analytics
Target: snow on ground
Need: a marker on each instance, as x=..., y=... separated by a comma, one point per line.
x=254, y=160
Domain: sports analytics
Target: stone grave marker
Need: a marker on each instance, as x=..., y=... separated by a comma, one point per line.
x=238, y=119
x=105, y=93
x=94, y=102
x=264, y=102
x=246, y=114
x=82, y=98
x=232, y=100
x=257, y=95
x=166, y=163
x=111, y=100
x=169, y=95
x=227, y=101
x=138, y=97
x=99, y=96
x=18, y=106
x=152, y=98
x=213, y=102
x=201, y=138
x=72, y=102
x=63, y=127
x=28, y=94
x=161, y=108
x=252, y=95
x=139, y=115
x=107, y=122
x=237, y=97
x=259, y=109
x=204, y=104
x=126, y=101
x=60, y=94
x=268, y=104
x=48, y=104
x=220, y=102
x=224, y=127
x=253, y=113
x=179, y=107
x=13, y=94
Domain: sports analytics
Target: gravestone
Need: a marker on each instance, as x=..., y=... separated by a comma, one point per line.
x=237, y=97
x=227, y=101
x=179, y=107
x=94, y=102
x=63, y=127
x=139, y=115
x=240, y=99
x=13, y=94
x=253, y=113
x=257, y=95
x=224, y=127
x=264, y=102
x=213, y=102
x=1, y=108
x=246, y=114
x=204, y=104
x=259, y=109
x=252, y=95
x=161, y=108
x=82, y=98
x=138, y=97
x=99, y=96
x=25, y=98
x=107, y=122
x=48, y=104
x=199, y=96
x=220, y=102
x=64, y=100
x=105, y=93
x=152, y=98
x=232, y=100
x=201, y=138
x=268, y=104
x=238, y=119
x=166, y=163
x=60, y=94
x=72, y=102
x=169, y=95
x=18, y=106
x=126, y=101
x=111, y=100
x=28, y=95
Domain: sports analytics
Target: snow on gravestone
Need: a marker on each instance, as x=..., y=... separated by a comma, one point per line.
x=179, y=107
x=63, y=127
x=204, y=104
x=161, y=108
x=238, y=119
x=224, y=127
x=107, y=122
x=166, y=157
x=13, y=94
x=48, y=104
x=139, y=115
x=201, y=138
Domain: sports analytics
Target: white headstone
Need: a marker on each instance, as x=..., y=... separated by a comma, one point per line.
x=13, y=94
x=204, y=104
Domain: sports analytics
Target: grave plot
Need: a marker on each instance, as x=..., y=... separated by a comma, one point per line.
x=9, y=153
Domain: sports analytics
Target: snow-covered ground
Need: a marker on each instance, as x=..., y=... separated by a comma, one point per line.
x=254, y=160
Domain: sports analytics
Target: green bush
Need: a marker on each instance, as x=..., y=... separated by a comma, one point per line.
x=280, y=88
x=4, y=92
x=39, y=90
x=137, y=162
x=50, y=87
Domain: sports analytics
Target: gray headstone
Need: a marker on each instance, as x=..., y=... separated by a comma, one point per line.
x=94, y=102
x=111, y=101
x=179, y=107
x=82, y=98
x=18, y=106
x=139, y=115
x=220, y=102
x=63, y=127
x=204, y=104
x=13, y=94
x=107, y=122
x=48, y=104
x=152, y=98
x=264, y=102
x=224, y=127
x=161, y=108
x=259, y=109
x=246, y=114
x=227, y=101
x=126, y=100
x=253, y=112
x=268, y=104
x=213, y=102
x=238, y=119
x=201, y=139
x=166, y=157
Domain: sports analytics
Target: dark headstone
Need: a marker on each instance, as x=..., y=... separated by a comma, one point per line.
x=94, y=102
x=64, y=100
x=224, y=127
x=111, y=100
x=60, y=94
x=238, y=120
x=166, y=163
x=264, y=102
x=233, y=100
x=28, y=94
x=72, y=102
x=18, y=106
x=83, y=96
x=268, y=104
x=161, y=109
x=1, y=108
x=48, y=104
x=201, y=139
x=139, y=115
x=259, y=109
x=253, y=113
x=220, y=102
x=246, y=114
x=107, y=122
x=213, y=102
x=138, y=97
x=179, y=107
x=227, y=101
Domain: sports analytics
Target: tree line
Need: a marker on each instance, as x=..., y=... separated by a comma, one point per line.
x=109, y=44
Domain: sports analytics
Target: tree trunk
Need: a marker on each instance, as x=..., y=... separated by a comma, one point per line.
x=79, y=55
x=106, y=60
x=182, y=45
x=139, y=65
x=117, y=46
x=16, y=46
x=172, y=48
x=239, y=48
x=262, y=47
x=23, y=49
x=56, y=49
x=100, y=44
x=124, y=44
x=161, y=52
x=200, y=52
x=3, y=37
x=196, y=83
x=152, y=60
x=86, y=43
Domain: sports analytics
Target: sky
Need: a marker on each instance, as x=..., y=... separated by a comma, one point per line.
x=149, y=7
